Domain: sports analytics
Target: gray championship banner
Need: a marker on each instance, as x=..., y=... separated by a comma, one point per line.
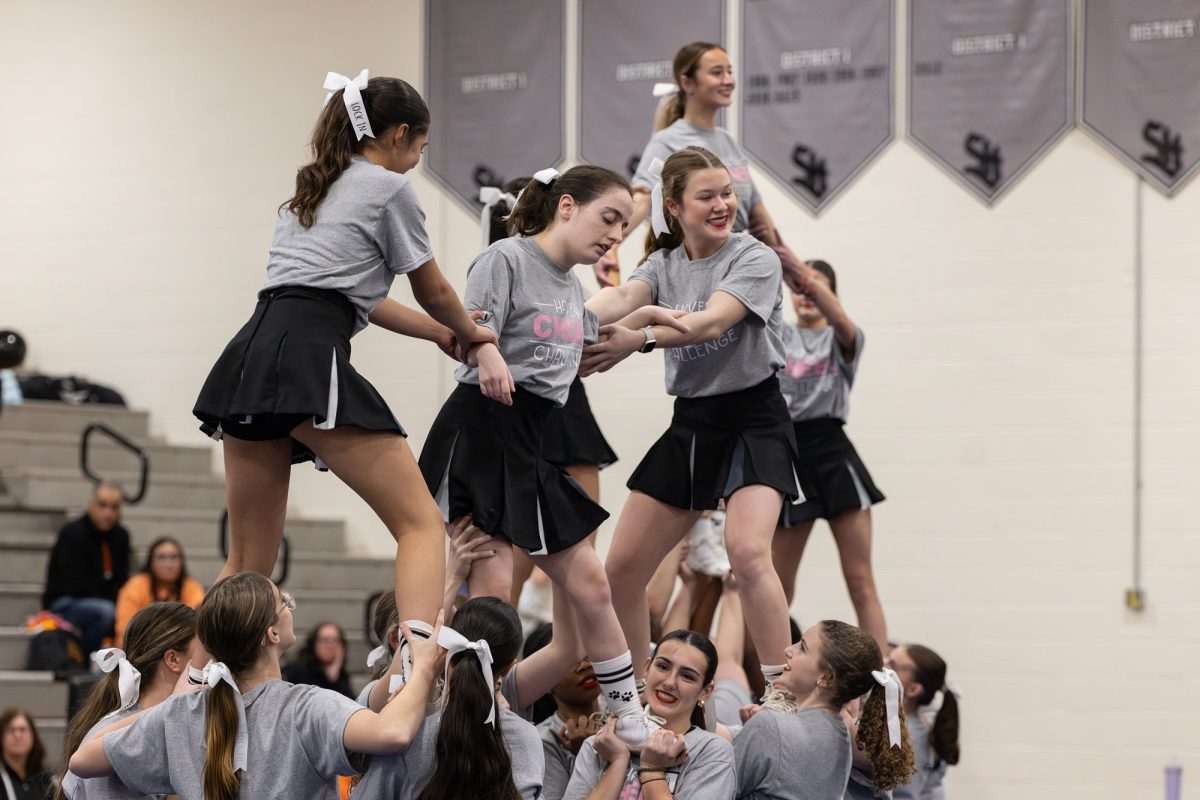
x=1141, y=85
x=495, y=84
x=816, y=85
x=625, y=47
x=989, y=86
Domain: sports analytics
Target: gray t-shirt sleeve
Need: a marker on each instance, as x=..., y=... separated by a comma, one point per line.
x=508, y=688
x=489, y=288
x=528, y=760
x=647, y=273
x=754, y=278
x=655, y=148
x=849, y=369
x=321, y=716
x=401, y=234
x=709, y=773
x=589, y=767
x=757, y=750
x=138, y=753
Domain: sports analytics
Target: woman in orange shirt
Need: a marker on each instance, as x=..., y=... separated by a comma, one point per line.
x=163, y=578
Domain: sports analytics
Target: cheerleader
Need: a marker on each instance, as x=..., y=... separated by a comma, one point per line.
x=681, y=759
x=248, y=733
x=687, y=117
x=730, y=437
x=931, y=712
x=823, y=351
x=469, y=746
x=160, y=643
x=798, y=747
x=284, y=389
x=482, y=455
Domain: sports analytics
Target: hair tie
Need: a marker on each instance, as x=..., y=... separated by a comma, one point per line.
x=214, y=674
x=890, y=681
x=377, y=656
x=664, y=89
x=545, y=176
x=658, y=216
x=352, y=97
x=490, y=196
x=455, y=642
x=129, y=681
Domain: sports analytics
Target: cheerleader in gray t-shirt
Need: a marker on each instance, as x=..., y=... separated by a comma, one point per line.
x=931, y=712
x=730, y=437
x=823, y=351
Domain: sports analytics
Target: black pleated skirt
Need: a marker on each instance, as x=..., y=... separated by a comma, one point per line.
x=572, y=436
x=290, y=365
x=716, y=445
x=830, y=463
x=484, y=459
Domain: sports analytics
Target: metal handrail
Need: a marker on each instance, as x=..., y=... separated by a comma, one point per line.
x=95, y=478
x=285, y=547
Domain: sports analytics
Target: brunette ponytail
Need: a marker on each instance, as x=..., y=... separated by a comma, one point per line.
x=537, y=204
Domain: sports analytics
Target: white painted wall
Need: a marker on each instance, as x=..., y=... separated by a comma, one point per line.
x=146, y=145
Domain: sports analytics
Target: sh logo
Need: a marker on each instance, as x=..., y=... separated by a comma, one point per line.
x=987, y=159
x=1168, y=148
x=813, y=175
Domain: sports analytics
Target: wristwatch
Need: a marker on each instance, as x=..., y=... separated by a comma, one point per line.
x=650, y=340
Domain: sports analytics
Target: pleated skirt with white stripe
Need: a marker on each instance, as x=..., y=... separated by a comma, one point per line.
x=829, y=462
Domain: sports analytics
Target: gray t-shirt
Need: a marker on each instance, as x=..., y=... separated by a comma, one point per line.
x=536, y=308
x=508, y=688
x=926, y=783
x=108, y=787
x=816, y=379
x=862, y=787
x=746, y=354
x=402, y=776
x=560, y=761
x=681, y=134
x=801, y=756
x=294, y=740
x=708, y=773
x=369, y=228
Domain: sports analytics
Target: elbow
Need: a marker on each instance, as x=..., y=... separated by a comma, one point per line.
x=400, y=738
x=82, y=766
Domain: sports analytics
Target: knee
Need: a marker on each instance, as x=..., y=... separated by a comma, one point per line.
x=861, y=586
x=590, y=591
x=750, y=558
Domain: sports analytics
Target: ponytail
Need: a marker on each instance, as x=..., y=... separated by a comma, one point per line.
x=151, y=632
x=687, y=59
x=221, y=781
x=931, y=674
x=388, y=102
x=676, y=172
x=471, y=753
x=537, y=205
x=890, y=766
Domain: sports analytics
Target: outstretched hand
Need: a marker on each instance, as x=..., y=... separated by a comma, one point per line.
x=615, y=344
x=608, y=269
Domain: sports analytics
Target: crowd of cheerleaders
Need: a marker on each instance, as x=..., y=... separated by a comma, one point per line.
x=509, y=466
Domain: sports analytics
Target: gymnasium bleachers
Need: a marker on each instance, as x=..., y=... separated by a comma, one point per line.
x=41, y=486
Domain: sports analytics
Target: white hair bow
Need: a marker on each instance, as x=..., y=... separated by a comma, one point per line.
x=352, y=97
x=658, y=216
x=890, y=681
x=455, y=642
x=129, y=680
x=664, y=89
x=545, y=176
x=214, y=674
x=377, y=656
x=490, y=196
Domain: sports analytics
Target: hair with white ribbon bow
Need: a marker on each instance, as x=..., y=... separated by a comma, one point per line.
x=352, y=97
x=658, y=214
x=377, y=657
x=455, y=642
x=890, y=681
x=545, y=176
x=214, y=674
x=490, y=196
x=129, y=680
x=665, y=89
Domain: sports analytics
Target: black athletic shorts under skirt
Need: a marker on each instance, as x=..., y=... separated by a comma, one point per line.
x=571, y=435
x=716, y=445
x=483, y=458
x=290, y=364
x=831, y=464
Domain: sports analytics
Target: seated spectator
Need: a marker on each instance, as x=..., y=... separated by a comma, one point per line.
x=24, y=777
x=322, y=662
x=88, y=565
x=164, y=578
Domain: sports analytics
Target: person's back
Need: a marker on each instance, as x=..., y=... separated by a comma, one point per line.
x=88, y=566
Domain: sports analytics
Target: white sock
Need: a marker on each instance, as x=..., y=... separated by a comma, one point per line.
x=771, y=673
x=618, y=689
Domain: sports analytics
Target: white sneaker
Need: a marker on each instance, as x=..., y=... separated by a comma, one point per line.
x=635, y=729
x=706, y=546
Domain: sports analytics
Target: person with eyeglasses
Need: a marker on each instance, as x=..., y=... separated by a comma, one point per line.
x=322, y=661
x=164, y=578
x=23, y=775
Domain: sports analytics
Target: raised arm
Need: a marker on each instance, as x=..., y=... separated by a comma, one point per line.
x=823, y=297
x=438, y=298
x=616, y=302
x=542, y=671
